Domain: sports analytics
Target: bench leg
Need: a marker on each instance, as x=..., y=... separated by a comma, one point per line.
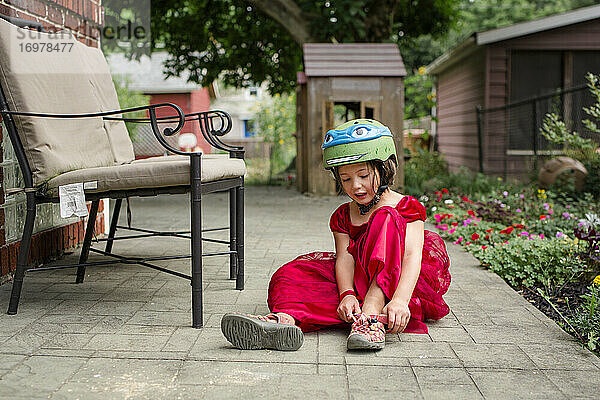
x=87, y=241
x=113, y=225
x=23, y=255
x=239, y=219
x=196, y=228
x=232, y=234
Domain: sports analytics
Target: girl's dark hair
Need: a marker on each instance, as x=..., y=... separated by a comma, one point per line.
x=386, y=169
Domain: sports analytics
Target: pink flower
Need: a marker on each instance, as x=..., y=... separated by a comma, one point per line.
x=518, y=210
x=452, y=230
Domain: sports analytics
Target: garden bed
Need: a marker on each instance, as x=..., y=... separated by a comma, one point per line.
x=544, y=245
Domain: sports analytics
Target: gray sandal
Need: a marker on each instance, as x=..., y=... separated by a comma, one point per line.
x=254, y=332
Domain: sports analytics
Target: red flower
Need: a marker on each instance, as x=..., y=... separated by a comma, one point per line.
x=519, y=226
x=455, y=224
x=486, y=237
x=507, y=230
x=489, y=230
x=471, y=212
x=466, y=199
x=474, y=237
x=543, y=216
x=484, y=247
x=444, y=190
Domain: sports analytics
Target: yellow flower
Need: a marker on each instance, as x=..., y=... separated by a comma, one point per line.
x=270, y=126
x=597, y=280
x=280, y=141
x=422, y=70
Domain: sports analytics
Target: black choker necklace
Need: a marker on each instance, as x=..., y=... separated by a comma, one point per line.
x=366, y=208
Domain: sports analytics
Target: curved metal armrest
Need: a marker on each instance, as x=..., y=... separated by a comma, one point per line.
x=168, y=131
x=213, y=124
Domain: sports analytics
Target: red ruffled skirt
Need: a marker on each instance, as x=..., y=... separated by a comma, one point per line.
x=306, y=288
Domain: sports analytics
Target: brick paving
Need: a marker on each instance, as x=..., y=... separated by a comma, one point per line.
x=125, y=332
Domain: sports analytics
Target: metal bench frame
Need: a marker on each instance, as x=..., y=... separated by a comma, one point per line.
x=213, y=124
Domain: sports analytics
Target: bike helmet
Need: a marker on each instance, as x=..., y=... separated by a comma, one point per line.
x=357, y=141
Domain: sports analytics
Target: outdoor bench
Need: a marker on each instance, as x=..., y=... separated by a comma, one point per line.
x=64, y=121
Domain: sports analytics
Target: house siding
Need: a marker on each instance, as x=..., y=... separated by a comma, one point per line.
x=459, y=91
x=576, y=37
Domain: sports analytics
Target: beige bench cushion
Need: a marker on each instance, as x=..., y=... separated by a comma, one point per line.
x=149, y=173
x=53, y=146
x=118, y=136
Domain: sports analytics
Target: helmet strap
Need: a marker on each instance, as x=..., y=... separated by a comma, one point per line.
x=366, y=208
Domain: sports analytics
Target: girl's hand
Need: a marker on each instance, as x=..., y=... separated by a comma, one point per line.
x=348, y=307
x=398, y=315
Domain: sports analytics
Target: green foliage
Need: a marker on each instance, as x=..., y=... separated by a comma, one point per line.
x=546, y=263
x=586, y=318
x=584, y=150
x=276, y=123
x=418, y=95
x=129, y=99
x=238, y=42
x=427, y=172
x=423, y=167
x=555, y=130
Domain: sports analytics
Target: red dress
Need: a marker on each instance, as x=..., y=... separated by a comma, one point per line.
x=306, y=288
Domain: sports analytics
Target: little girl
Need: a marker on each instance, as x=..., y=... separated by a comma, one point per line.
x=387, y=270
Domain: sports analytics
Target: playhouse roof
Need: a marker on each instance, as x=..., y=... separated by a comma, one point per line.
x=356, y=59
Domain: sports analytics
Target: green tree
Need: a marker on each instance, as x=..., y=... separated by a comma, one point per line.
x=255, y=41
x=276, y=125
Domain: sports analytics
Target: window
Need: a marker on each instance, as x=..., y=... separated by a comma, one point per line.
x=249, y=128
x=532, y=74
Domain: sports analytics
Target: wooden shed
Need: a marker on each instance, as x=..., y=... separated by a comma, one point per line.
x=516, y=74
x=341, y=82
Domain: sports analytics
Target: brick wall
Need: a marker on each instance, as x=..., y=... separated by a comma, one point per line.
x=80, y=16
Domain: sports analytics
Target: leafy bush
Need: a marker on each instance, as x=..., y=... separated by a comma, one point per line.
x=424, y=170
x=586, y=318
x=546, y=263
x=574, y=146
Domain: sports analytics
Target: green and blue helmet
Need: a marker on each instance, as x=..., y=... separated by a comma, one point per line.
x=355, y=141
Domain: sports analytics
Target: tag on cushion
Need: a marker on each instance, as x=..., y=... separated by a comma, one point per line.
x=91, y=185
x=72, y=200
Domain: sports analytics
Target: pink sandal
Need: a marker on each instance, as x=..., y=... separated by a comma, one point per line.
x=253, y=332
x=367, y=333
